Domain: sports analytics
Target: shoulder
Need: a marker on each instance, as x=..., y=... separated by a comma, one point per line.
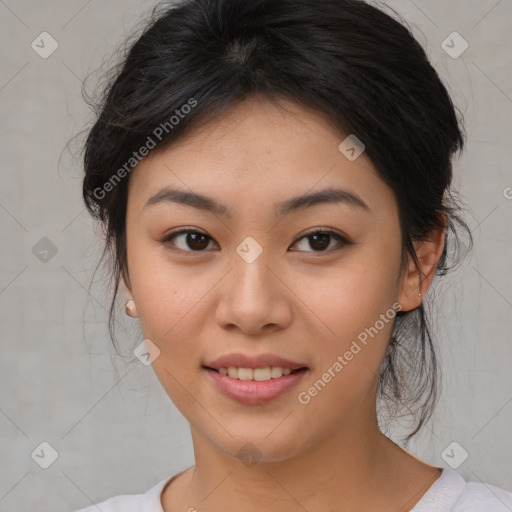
x=484, y=497
x=146, y=502
x=451, y=493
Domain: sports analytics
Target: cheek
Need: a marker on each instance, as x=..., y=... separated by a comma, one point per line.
x=170, y=307
x=356, y=320
x=357, y=332
x=347, y=299
x=168, y=299
x=168, y=312
x=352, y=310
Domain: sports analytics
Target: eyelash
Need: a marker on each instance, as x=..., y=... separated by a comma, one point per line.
x=342, y=241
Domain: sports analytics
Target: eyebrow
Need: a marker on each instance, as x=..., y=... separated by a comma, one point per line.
x=202, y=202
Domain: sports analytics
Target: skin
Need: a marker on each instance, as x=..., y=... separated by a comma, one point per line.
x=295, y=300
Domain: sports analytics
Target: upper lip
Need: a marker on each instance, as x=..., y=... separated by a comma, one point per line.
x=239, y=360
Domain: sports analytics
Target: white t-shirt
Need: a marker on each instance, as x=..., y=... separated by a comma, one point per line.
x=449, y=493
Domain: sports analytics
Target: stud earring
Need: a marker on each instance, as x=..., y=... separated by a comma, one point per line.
x=130, y=308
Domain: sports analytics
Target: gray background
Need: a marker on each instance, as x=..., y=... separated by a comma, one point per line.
x=113, y=426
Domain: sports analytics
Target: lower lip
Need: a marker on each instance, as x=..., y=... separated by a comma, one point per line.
x=254, y=392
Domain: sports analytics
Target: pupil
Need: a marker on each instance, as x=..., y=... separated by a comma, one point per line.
x=192, y=241
x=322, y=245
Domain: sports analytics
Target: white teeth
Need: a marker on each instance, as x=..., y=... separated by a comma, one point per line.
x=277, y=372
x=258, y=374
x=245, y=374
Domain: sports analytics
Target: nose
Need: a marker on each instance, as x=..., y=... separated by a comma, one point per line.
x=254, y=298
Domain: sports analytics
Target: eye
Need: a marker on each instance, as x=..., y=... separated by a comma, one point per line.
x=196, y=241
x=319, y=240
x=192, y=239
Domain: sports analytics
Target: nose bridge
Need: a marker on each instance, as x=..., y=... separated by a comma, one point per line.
x=251, y=271
x=253, y=297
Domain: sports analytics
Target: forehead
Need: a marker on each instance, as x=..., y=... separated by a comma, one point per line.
x=262, y=152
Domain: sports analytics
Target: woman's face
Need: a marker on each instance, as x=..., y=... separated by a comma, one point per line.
x=256, y=284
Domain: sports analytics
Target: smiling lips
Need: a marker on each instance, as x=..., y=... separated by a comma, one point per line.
x=254, y=380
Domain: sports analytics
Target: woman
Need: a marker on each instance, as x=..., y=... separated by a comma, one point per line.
x=274, y=182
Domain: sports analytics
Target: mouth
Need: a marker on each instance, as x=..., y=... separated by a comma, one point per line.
x=257, y=386
x=256, y=362
x=256, y=374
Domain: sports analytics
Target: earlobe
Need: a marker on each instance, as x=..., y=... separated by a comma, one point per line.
x=129, y=307
x=416, y=281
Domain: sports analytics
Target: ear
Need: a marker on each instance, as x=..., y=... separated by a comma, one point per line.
x=125, y=284
x=130, y=307
x=416, y=281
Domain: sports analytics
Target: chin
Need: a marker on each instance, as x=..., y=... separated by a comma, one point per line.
x=262, y=448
